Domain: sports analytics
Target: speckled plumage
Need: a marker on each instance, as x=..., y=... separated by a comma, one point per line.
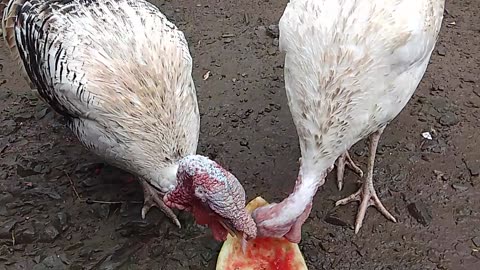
x=350, y=68
x=119, y=71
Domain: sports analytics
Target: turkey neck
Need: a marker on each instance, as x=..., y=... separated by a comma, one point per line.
x=308, y=181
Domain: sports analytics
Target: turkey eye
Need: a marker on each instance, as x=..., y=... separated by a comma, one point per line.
x=200, y=192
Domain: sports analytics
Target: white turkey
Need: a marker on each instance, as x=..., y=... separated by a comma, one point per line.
x=120, y=73
x=350, y=68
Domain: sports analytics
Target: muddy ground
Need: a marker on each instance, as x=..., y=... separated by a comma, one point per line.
x=246, y=125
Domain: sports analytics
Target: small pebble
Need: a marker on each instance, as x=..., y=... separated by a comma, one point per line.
x=473, y=166
x=448, y=119
x=476, y=241
x=273, y=31
x=459, y=187
x=420, y=212
x=334, y=219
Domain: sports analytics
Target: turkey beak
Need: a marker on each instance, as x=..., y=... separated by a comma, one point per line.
x=230, y=229
x=235, y=233
x=244, y=243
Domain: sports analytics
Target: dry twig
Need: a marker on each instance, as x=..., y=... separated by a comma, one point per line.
x=73, y=186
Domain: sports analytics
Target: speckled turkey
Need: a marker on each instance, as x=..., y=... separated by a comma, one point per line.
x=120, y=73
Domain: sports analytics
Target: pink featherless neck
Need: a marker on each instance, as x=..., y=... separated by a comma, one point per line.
x=285, y=219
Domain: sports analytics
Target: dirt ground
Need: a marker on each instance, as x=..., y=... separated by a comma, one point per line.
x=431, y=186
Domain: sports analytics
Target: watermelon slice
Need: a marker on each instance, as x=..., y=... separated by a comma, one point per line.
x=261, y=253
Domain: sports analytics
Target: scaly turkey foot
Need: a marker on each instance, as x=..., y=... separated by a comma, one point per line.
x=343, y=160
x=368, y=197
x=367, y=194
x=151, y=199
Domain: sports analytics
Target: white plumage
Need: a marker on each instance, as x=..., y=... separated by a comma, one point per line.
x=120, y=73
x=350, y=68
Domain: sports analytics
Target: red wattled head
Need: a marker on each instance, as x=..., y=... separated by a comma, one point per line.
x=213, y=195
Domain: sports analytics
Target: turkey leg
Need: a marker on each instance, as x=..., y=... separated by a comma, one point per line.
x=152, y=198
x=367, y=194
x=343, y=160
